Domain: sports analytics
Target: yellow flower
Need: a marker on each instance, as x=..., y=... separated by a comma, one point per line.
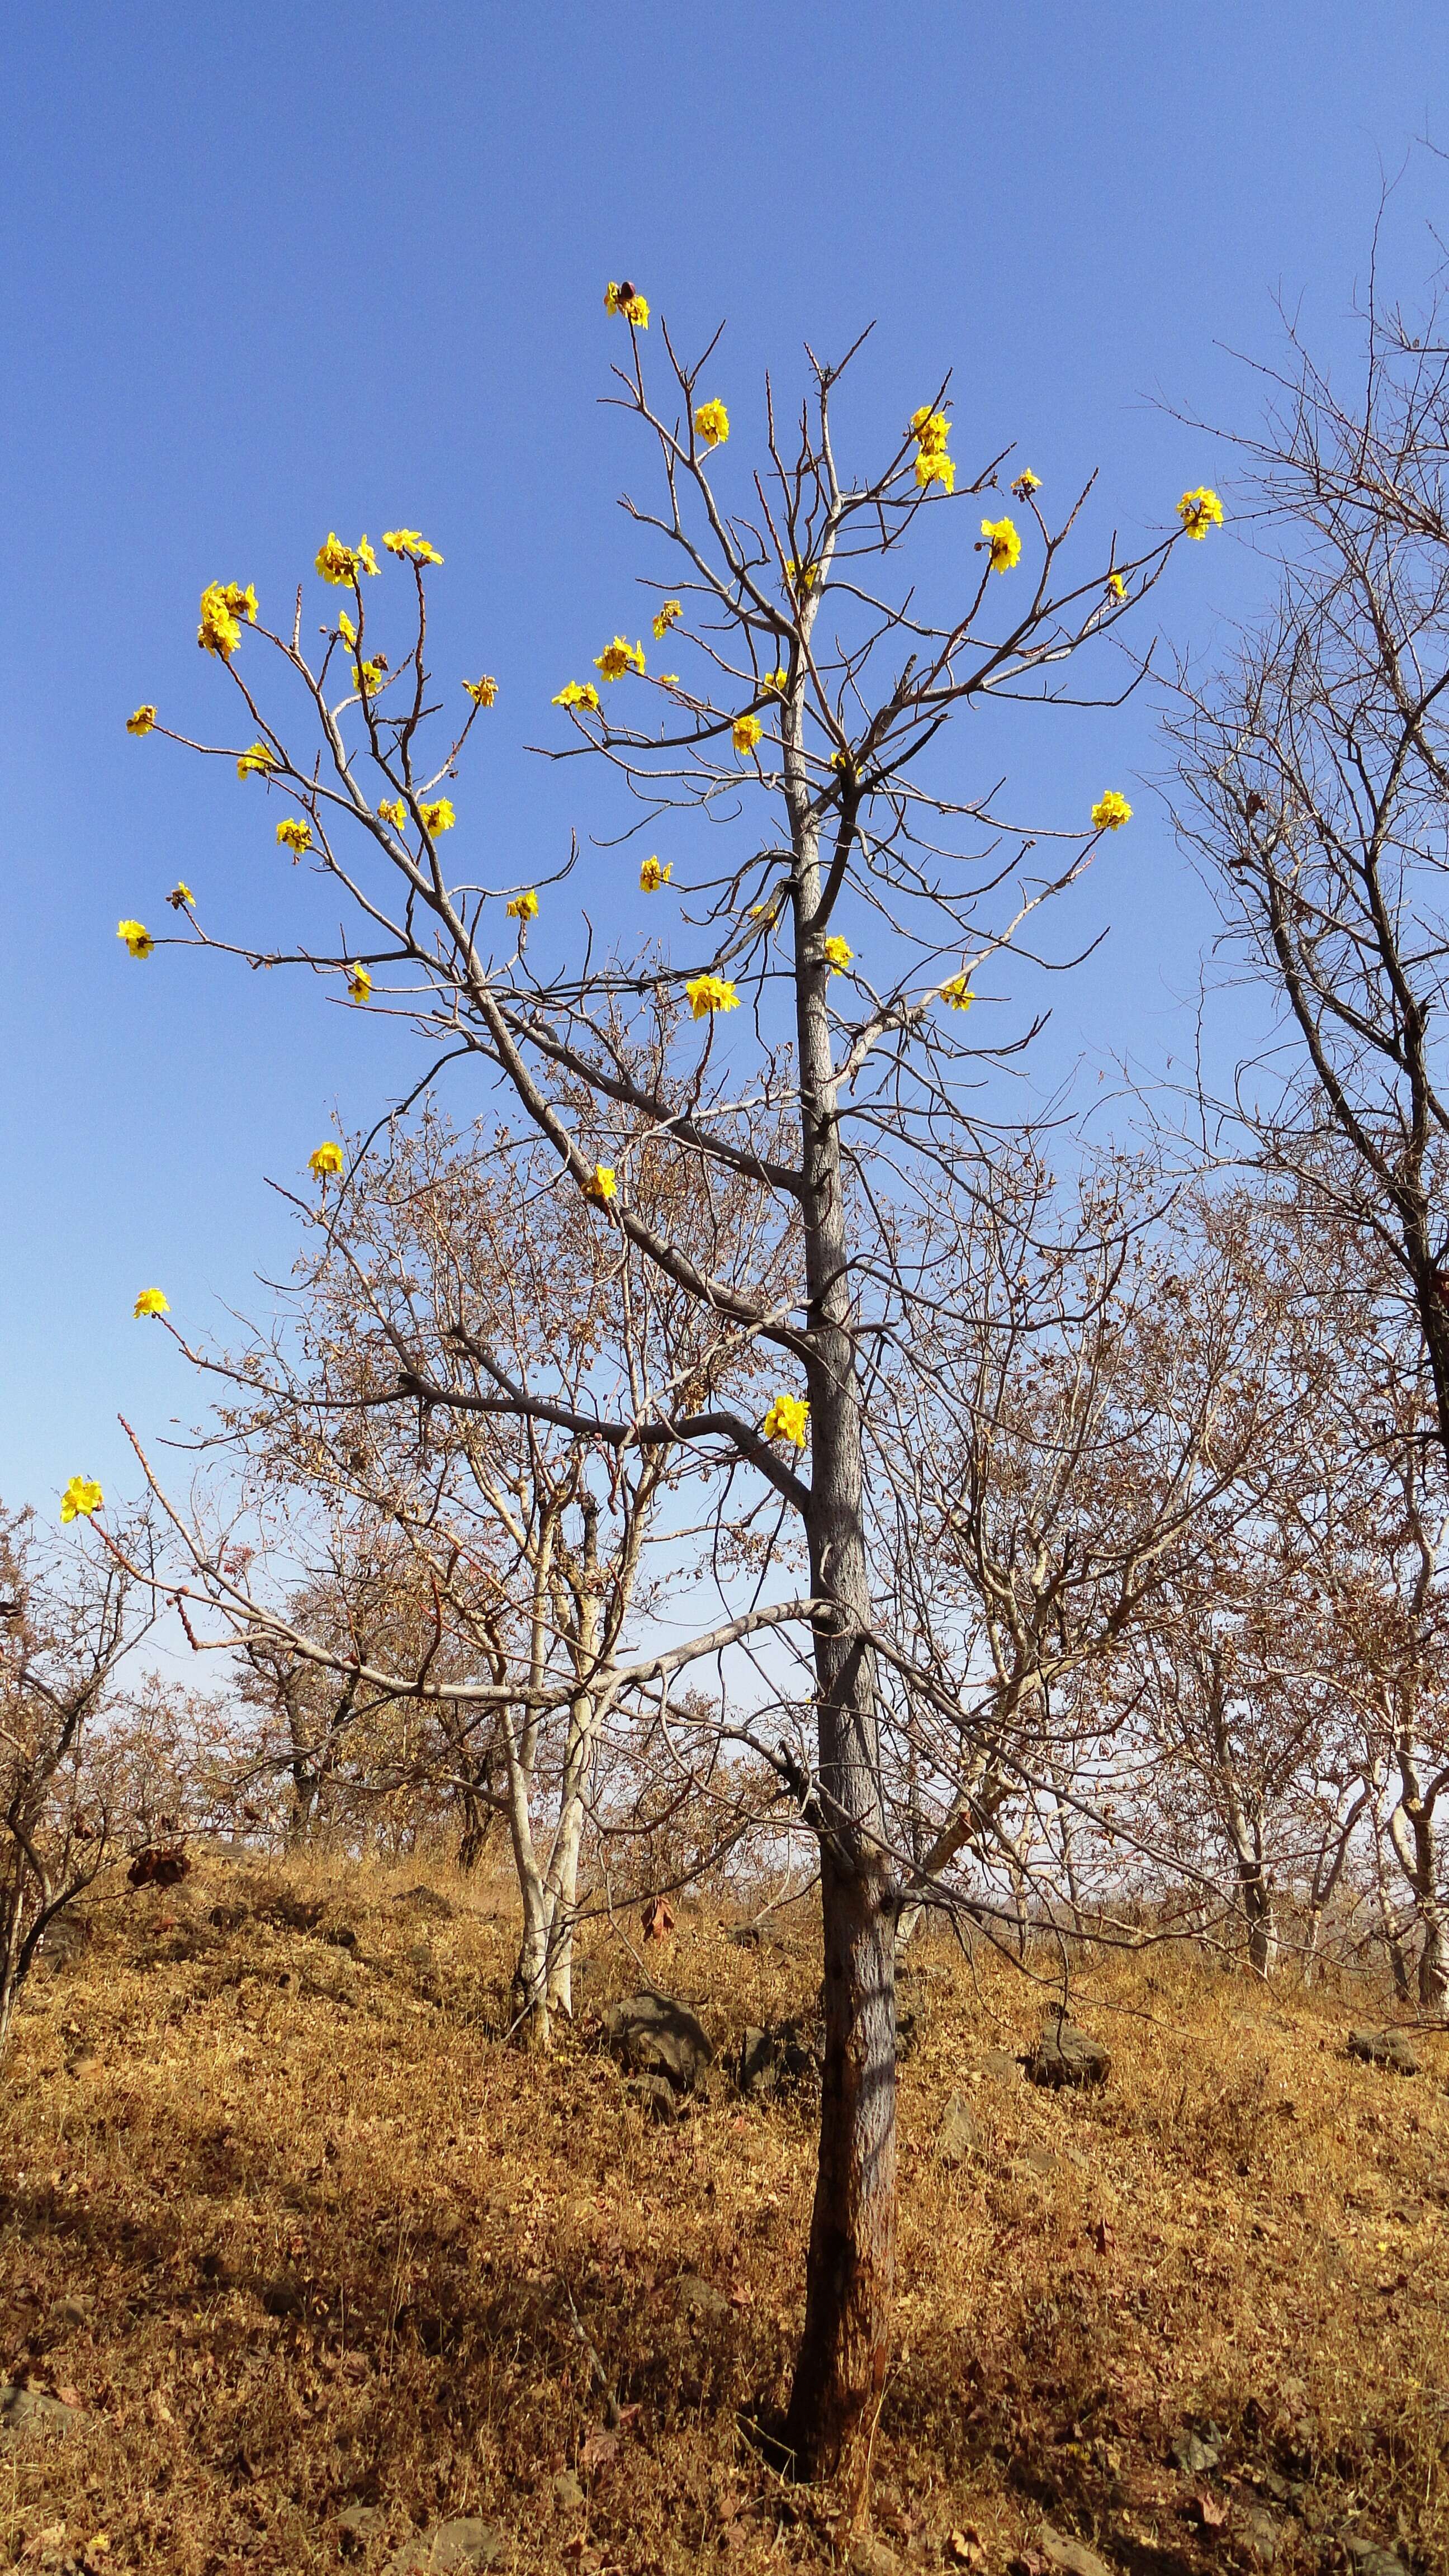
x=1026, y=483
x=407, y=542
x=152, y=1301
x=367, y=675
x=665, y=617
x=345, y=627
x=295, y=836
x=1199, y=511
x=223, y=606
x=327, y=1158
x=359, y=984
x=1005, y=544
x=579, y=693
x=1116, y=585
x=775, y=681
x=769, y=912
x=930, y=430
x=439, y=816
x=258, y=762
x=137, y=937
x=709, y=993
x=652, y=876
x=141, y=721
x=804, y=576
x=958, y=993
x=745, y=732
x=788, y=1419
x=626, y=299
x=936, y=467
x=1110, y=812
x=181, y=896
x=602, y=1184
x=666, y=679
x=82, y=1496
x=839, y=951
x=395, y=813
x=339, y=563
x=524, y=907
x=482, y=692
x=619, y=657
x=712, y=422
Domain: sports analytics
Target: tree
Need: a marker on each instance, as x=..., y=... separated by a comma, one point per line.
x=67, y=1620
x=857, y=929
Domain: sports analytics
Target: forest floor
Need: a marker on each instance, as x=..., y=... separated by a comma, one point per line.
x=299, y=2262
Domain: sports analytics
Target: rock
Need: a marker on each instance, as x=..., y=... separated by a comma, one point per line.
x=1196, y=2453
x=26, y=2410
x=1041, y=2160
x=568, y=2492
x=65, y=1938
x=1065, y=2055
x=1370, y=2560
x=426, y=1900
x=700, y=2301
x=868, y=2556
x=958, y=2138
x=779, y=2054
x=654, y=2035
x=1073, y=2557
x=1392, y=2048
x=465, y=2543
x=1258, y=2532
x=358, y=2525
x=656, y=2097
x=1001, y=2067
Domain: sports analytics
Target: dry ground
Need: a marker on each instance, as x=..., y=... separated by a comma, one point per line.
x=297, y=2233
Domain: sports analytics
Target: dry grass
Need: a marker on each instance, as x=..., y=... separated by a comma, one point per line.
x=322, y=2229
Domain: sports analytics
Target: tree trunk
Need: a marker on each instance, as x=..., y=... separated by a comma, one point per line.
x=850, y=2270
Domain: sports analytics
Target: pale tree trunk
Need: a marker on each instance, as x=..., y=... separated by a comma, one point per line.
x=520, y=1752
x=850, y=2275
x=1415, y=1841
x=584, y=1719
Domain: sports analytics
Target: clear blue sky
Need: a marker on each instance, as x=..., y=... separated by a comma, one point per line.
x=276, y=270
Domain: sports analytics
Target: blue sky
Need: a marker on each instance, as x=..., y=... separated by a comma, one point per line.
x=277, y=271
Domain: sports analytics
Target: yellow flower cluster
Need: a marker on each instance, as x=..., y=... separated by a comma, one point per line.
x=141, y=721
x=666, y=616
x=1025, y=483
x=223, y=606
x=775, y=681
x=958, y=993
x=1116, y=585
x=339, y=563
x=788, y=1419
x=258, y=762
x=1110, y=812
x=408, y=543
x=838, y=951
x=368, y=675
x=712, y=423
x=930, y=430
x=1001, y=536
x=626, y=299
x=324, y=1161
x=707, y=994
x=295, y=835
x=579, y=693
x=395, y=813
x=652, y=876
x=82, y=1496
x=801, y=576
x=152, y=1301
x=524, y=907
x=601, y=1185
x=359, y=984
x=745, y=732
x=439, y=816
x=483, y=692
x=1199, y=511
x=619, y=657
x=181, y=896
x=137, y=937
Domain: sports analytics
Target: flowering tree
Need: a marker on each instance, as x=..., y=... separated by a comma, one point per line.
x=807, y=1038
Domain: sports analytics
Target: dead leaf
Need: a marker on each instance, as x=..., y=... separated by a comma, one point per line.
x=597, y=2449
x=1213, y=2514
x=742, y=2296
